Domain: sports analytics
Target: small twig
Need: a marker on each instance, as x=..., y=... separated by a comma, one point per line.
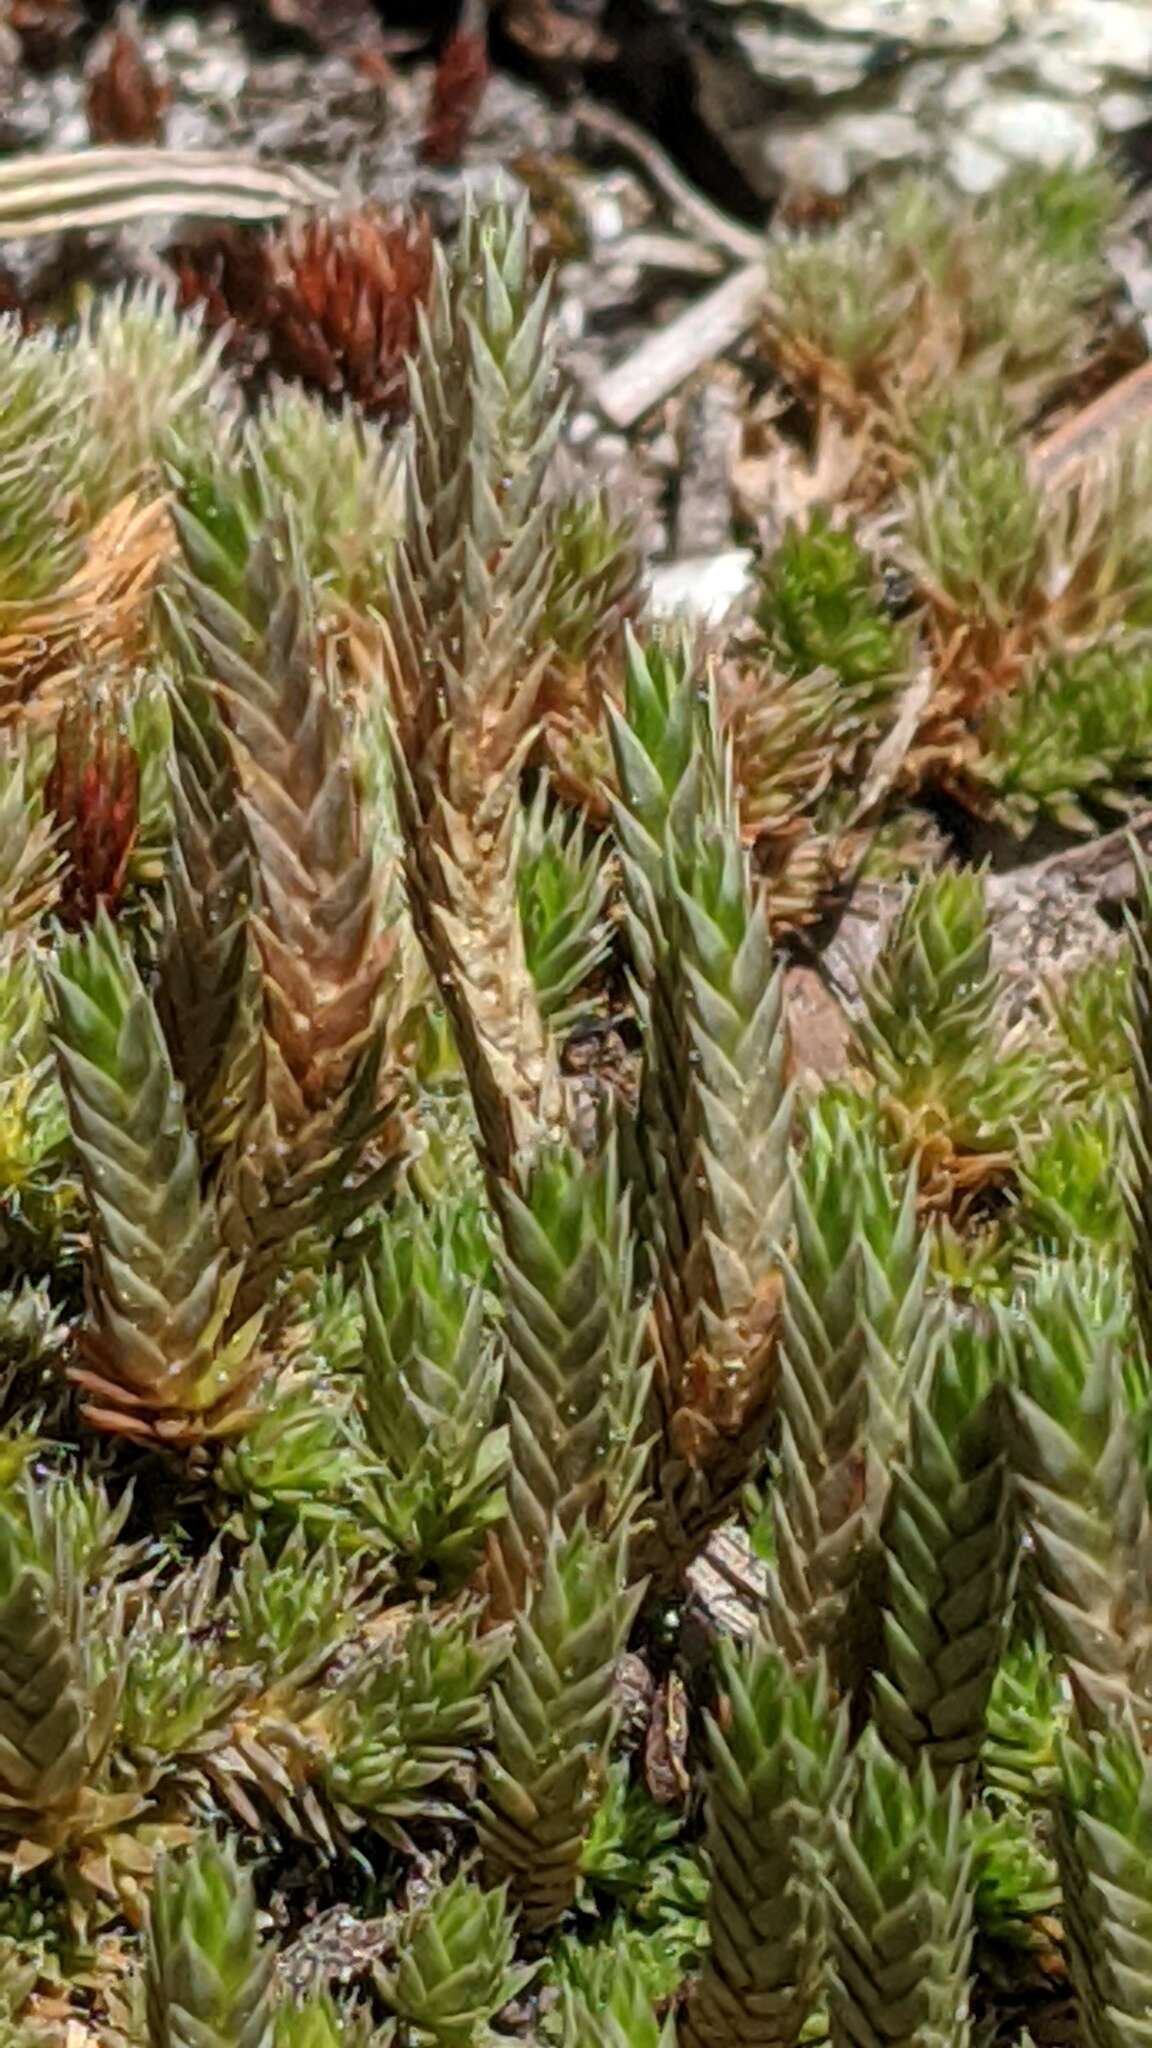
x=719, y=227
x=1119, y=411
x=749, y=1589
x=1107, y=862
x=667, y=358
x=893, y=750
x=654, y=250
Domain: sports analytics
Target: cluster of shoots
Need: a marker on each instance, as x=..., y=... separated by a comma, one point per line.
x=944, y=584
x=376, y=1373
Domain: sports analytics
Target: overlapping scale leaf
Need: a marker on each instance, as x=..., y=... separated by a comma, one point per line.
x=901, y=1909
x=563, y=885
x=819, y=608
x=778, y=1748
x=948, y=1543
x=431, y=1381
x=455, y=1969
x=320, y=920
x=1138, y=1177
x=150, y=384
x=41, y=432
x=464, y=606
x=1082, y=1486
x=208, y=1974
x=29, y=859
x=1070, y=740
x=574, y=1386
x=208, y=992
x=165, y=1357
x=554, y=1708
x=397, y=1732
x=39, y=1195
x=1104, y=1845
x=595, y=585
x=854, y=1337
x=45, y=1713
x=620, y=2014
x=1027, y=1713
x=953, y=1081
x=715, y=1107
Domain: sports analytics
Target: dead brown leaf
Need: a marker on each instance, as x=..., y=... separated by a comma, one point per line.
x=99, y=616
x=666, y=1744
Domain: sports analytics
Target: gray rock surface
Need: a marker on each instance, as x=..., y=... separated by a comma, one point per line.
x=817, y=96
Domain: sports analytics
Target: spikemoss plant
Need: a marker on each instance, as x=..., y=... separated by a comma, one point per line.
x=423, y=1233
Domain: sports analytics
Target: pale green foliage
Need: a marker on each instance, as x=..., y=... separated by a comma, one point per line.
x=1004, y=283
x=347, y=482
x=948, y=1557
x=162, y=1356
x=207, y=989
x=208, y=1976
x=818, y=302
x=431, y=1381
x=317, y=2021
x=1071, y=1195
x=1014, y=1879
x=1027, y=1712
x=1076, y=732
x=148, y=722
x=715, y=1105
x=562, y=879
x=656, y=1946
x=975, y=531
x=617, y=2012
x=42, y=439
x=574, y=1382
x=1082, y=1484
x=819, y=608
x=628, y=1834
x=594, y=577
x=31, y=1336
x=177, y=1693
x=361, y=1378
x=288, y=1618
x=314, y=2022
x=405, y=1719
x=37, y=1198
x=465, y=602
x=1091, y=1014
x=300, y=1463
x=76, y=1525
x=553, y=1713
x=36, y=1201
x=46, y=1721
x=952, y=1080
x=777, y=1762
x=342, y=479
x=853, y=1337
x=150, y=385
x=901, y=1909
x=29, y=861
x=1104, y=1842
x=931, y=998
x=454, y=1970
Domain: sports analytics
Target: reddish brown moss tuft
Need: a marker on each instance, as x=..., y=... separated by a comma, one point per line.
x=457, y=92
x=126, y=100
x=329, y=302
x=93, y=791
